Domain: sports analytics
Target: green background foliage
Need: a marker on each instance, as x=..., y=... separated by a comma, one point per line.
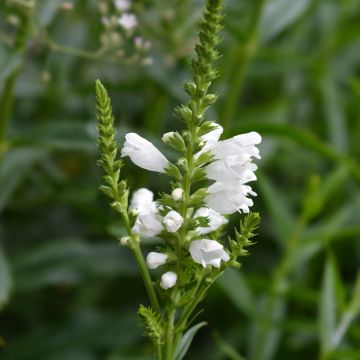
x=289, y=70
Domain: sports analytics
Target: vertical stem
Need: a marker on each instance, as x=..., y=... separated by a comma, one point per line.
x=6, y=103
x=243, y=55
x=146, y=277
x=170, y=335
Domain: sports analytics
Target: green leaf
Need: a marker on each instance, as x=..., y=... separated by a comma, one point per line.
x=186, y=340
x=5, y=279
x=278, y=206
x=280, y=14
x=233, y=283
x=14, y=168
x=327, y=305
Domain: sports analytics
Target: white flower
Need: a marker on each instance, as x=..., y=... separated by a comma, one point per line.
x=148, y=224
x=142, y=201
x=227, y=198
x=128, y=21
x=208, y=252
x=173, y=221
x=143, y=153
x=122, y=5
x=210, y=139
x=177, y=194
x=238, y=145
x=168, y=280
x=155, y=259
x=215, y=220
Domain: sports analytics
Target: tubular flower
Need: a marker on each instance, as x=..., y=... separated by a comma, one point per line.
x=173, y=221
x=232, y=169
x=168, y=280
x=142, y=201
x=143, y=153
x=208, y=252
x=155, y=259
x=215, y=220
x=148, y=224
x=227, y=198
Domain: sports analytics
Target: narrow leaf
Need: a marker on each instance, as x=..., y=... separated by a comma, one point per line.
x=186, y=340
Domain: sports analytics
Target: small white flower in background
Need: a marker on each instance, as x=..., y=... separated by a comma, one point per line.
x=148, y=224
x=227, y=198
x=208, y=252
x=143, y=153
x=177, y=194
x=215, y=220
x=155, y=259
x=128, y=21
x=141, y=44
x=122, y=5
x=173, y=221
x=168, y=280
x=142, y=201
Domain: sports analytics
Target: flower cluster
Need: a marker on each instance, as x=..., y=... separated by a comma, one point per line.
x=231, y=168
x=119, y=38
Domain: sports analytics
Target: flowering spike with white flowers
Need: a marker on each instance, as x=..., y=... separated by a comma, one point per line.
x=189, y=220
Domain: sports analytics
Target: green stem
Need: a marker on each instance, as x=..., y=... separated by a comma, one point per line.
x=6, y=103
x=169, y=345
x=243, y=55
x=135, y=248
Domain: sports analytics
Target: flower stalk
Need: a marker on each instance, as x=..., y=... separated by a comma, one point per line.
x=190, y=263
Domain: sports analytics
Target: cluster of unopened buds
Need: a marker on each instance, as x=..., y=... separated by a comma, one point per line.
x=231, y=170
x=119, y=37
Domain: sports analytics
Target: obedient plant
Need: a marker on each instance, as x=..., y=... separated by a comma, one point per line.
x=207, y=183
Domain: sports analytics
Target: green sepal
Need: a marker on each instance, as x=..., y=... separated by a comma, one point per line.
x=174, y=172
x=197, y=198
x=198, y=175
x=206, y=127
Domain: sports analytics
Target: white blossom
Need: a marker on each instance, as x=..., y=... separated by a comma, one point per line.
x=208, y=252
x=148, y=224
x=232, y=169
x=210, y=139
x=143, y=153
x=128, y=21
x=155, y=259
x=177, y=194
x=227, y=198
x=142, y=201
x=168, y=280
x=173, y=221
x=215, y=220
x=122, y=5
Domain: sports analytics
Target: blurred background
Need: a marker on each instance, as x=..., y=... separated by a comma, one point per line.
x=290, y=69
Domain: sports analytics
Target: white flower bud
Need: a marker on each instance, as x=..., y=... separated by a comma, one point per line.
x=155, y=259
x=167, y=136
x=124, y=240
x=177, y=194
x=143, y=153
x=168, y=280
x=208, y=252
x=173, y=221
